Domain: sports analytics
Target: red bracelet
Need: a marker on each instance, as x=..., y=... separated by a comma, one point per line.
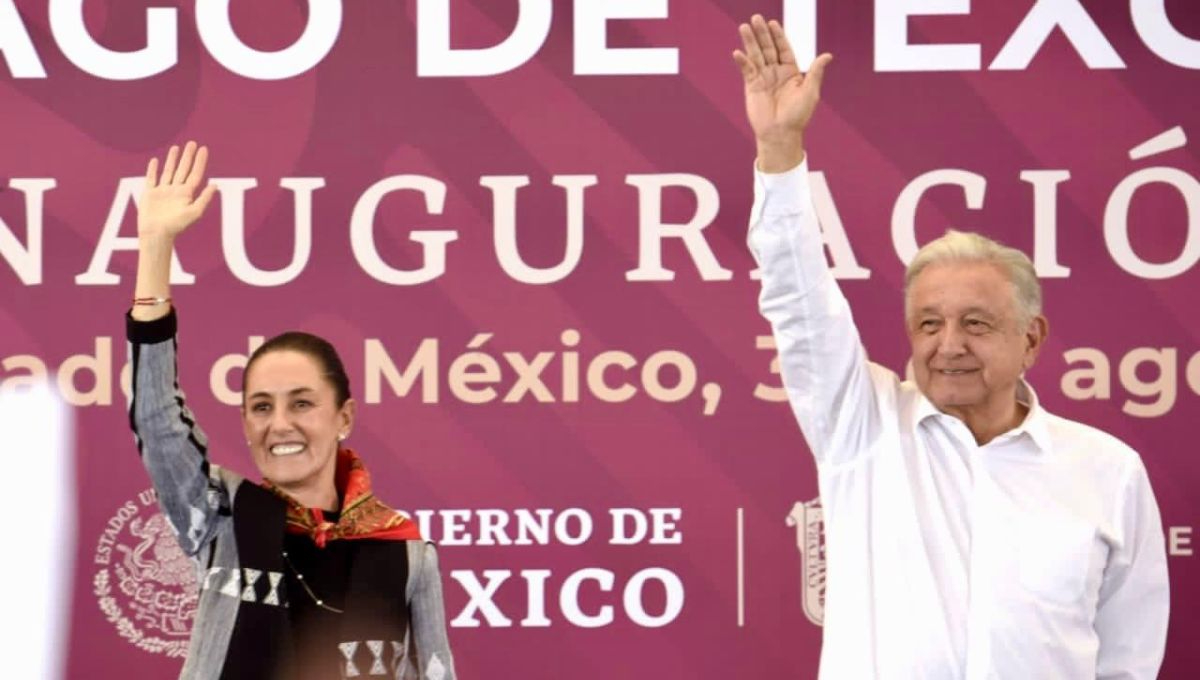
x=151, y=301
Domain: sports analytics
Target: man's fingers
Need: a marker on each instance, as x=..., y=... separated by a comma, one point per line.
x=786, y=55
x=750, y=43
x=765, y=42
x=816, y=72
x=196, y=174
x=744, y=63
x=168, y=170
x=185, y=163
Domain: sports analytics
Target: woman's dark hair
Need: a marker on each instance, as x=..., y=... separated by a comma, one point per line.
x=318, y=349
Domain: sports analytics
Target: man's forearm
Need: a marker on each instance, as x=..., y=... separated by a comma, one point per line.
x=780, y=155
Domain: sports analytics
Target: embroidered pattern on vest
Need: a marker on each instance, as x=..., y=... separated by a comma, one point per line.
x=246, y=584
x=383, y=658
x=348, y=649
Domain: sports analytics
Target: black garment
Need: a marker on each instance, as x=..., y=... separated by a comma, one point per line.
x=318, y=633
x=326, y=572
x=365, y=578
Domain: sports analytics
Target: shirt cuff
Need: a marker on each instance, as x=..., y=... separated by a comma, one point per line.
x=151, y=332
x=782, y=193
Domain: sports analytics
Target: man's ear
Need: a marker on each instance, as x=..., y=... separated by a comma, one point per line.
x=1035, y=338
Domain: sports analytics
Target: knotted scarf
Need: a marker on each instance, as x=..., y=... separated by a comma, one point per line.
x=362, y=516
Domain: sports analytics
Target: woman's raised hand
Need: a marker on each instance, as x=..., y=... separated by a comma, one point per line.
x=169, y=203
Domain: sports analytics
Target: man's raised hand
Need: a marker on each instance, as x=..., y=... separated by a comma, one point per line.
x=780, y=99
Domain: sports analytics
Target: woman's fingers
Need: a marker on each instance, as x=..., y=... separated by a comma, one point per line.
x=185, y=164
x=151, y=172
x=196, y=174
x=168, y=170
x=202, y=201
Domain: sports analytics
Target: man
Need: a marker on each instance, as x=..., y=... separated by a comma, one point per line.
x=970, y=534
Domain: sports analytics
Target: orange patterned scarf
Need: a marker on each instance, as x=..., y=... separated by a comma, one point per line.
x=363, y=515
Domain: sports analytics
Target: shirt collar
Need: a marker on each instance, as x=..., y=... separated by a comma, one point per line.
x=1034, y=425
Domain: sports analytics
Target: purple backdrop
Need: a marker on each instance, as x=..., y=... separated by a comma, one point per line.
x=727, y=588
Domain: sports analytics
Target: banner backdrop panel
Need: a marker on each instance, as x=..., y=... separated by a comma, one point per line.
x=523, y=225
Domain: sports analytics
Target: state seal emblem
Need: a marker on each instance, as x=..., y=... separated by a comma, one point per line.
x=145, y=585
x=809, y=522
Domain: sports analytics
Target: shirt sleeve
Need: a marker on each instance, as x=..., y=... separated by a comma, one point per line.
x=172, y=446
x=822, y=360
x=1131, y=619
x=427, y=614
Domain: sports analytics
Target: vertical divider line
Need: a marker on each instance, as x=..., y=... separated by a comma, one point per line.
x=741, y=569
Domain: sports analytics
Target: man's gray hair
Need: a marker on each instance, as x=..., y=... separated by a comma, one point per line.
x=961, y=246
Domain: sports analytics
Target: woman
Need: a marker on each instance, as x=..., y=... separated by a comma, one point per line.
x=307, y=575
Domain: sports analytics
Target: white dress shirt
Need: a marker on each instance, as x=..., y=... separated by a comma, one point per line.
x=1038, y=555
